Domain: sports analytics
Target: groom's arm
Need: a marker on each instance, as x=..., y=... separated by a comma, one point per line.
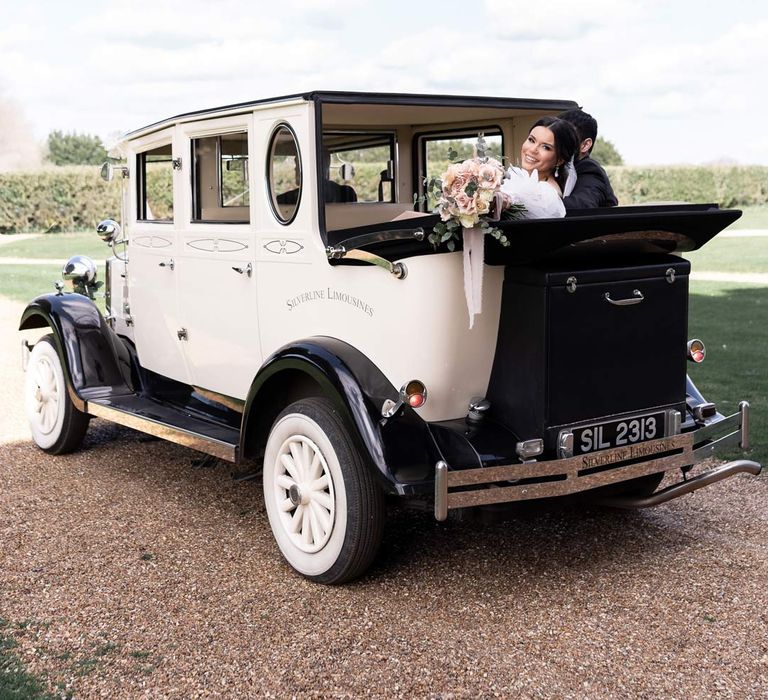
x=592, y=189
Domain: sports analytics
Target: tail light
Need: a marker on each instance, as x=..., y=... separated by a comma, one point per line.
x=696, y=351
x=414, y=393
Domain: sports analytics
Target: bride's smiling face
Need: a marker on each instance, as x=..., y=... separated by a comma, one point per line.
x=539, y=152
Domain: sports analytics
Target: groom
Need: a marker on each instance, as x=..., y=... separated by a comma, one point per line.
x=592, y=186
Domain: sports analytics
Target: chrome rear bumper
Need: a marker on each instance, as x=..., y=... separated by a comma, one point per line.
x=560, y=477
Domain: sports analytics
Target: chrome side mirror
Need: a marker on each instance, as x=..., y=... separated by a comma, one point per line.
x=112, y=233
x=108, y=171
x=108, y=230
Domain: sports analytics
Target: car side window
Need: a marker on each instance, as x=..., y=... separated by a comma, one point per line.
x=284, y=178
x=436, y=151
x=220, y=186
x=155, y=184
x=359, y=166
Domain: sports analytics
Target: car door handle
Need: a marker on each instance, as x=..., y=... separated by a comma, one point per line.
x=170, y=264
x=248, y=270
x=636, y=298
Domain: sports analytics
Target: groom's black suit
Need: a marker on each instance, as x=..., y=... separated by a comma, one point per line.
x=592, y=189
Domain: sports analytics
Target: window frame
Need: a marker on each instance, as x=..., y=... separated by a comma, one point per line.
x=141, y=183
x=421, y=138
x=268, y=170
x=391, y=135
x=196, y=206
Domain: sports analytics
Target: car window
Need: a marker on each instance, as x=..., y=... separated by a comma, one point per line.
x=359, y=166
x=220, y=187
x=284, y=174
x=436, y=152
x=155, y=184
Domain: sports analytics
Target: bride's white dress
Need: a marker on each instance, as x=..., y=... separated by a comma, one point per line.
x=540, y=199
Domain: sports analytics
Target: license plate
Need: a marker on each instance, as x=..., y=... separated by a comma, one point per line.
x=616, y=433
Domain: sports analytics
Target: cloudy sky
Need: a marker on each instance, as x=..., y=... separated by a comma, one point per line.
x=674, y=81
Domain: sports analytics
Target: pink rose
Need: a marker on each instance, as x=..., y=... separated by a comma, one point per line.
x=466, y=204
x=489, y=176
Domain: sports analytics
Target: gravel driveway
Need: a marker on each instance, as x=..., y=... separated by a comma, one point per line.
x=126, y=572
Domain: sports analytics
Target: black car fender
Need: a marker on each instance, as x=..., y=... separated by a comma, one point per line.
x=94, y=358
x=400, y=448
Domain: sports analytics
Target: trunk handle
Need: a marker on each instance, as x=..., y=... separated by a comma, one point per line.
x=637, y=297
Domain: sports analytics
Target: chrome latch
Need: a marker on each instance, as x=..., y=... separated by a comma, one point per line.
x=248, y=270
x=570, y=284
x=565, y=444
x=182, y=334
x=176, y=162
x=670, y=275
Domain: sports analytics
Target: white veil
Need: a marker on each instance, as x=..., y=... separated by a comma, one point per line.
x=570, y=180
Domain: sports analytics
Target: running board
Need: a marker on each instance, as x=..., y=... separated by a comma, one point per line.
x=169, y=423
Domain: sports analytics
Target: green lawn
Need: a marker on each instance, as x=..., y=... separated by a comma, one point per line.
x=752, y=217
x=732, y=255
x=732, y=320
x=56, y=245
x=25, y=282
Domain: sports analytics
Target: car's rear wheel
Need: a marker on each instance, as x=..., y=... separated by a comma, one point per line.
x=325, y=509
x=57, y=425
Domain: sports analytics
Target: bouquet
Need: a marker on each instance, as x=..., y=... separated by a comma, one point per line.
x=470, y=197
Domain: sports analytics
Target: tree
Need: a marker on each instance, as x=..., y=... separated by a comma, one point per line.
x=75, y=149
x=605, y=153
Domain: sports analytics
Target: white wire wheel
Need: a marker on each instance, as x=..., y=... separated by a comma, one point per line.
x=324, y=507
x=57, y=425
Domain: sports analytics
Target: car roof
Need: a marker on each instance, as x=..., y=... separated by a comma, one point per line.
x=366, y=98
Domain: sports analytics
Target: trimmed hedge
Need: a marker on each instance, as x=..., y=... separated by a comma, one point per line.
x=727, y=186
x=72, y=198
x=76, y=198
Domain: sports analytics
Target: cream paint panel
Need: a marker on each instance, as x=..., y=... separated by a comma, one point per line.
x=152, y=282
x=416, y=328
x=217, y=304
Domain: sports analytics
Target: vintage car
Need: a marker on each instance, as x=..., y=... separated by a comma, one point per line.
x=273, y=301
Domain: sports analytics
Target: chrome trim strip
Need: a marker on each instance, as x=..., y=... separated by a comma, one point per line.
x=570, y=467
x=196, y=441
x=441, y=491
x=729, y=423
x=744, y=410
x=705, y=451
x=416, y=233
x=680, y=489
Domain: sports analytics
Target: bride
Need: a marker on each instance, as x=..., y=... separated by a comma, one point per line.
x=547, y=173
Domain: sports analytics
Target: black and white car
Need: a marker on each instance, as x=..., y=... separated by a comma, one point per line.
x=272, y=299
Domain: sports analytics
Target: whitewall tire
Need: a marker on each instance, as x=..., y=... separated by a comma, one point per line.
x=57, y=425
x=325, y=509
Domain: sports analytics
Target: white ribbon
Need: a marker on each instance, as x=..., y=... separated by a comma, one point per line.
x=474, y=245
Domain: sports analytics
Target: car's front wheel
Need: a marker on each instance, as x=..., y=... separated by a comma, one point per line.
x=325, y=509
x=56, y=423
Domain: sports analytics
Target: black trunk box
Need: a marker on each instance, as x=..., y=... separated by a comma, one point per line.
x=566, y=355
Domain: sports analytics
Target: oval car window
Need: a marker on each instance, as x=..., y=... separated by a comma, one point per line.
x=284, y=174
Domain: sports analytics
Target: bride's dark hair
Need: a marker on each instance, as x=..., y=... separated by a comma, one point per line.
x=566, y=142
